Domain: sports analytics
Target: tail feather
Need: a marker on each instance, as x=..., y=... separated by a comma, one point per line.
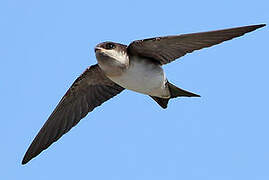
x=177, y=92
x=174, y=92
x=161, y=101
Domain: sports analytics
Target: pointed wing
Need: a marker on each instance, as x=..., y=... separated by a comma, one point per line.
x=88, y=91
x=167, y=49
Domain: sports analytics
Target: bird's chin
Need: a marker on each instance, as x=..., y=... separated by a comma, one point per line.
x=109, y=65
x=102, y=58
x=100, y=53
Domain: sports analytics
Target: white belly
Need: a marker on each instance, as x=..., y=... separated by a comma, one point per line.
x=144, y=77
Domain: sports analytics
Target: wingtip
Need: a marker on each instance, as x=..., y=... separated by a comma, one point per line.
x=25, y=160
x=250, y=28
x=23, y=163
x=260, y=25
x=254, y=27
x=28, y=156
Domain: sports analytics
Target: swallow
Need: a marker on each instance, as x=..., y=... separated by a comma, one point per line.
x=137, y=67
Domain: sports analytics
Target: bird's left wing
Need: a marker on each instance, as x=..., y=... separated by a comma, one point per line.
x=168, y=48
x=88, y=91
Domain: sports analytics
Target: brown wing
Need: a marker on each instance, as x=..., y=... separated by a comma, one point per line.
x=167, y=49
x=89, y=90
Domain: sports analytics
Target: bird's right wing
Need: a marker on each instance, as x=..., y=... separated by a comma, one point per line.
x=89, y=90
x=168, y=48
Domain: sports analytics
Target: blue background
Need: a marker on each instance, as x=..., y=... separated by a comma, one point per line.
x=46, y=45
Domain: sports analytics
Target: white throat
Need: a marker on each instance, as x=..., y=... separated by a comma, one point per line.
x=120, y=56
x=112, y=62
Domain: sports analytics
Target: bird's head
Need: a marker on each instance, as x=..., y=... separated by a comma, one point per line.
x=111, y=56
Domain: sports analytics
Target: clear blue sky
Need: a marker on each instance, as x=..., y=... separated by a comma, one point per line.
x=46, y=45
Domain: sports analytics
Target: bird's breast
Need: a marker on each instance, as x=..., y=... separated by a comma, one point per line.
x=143, y=76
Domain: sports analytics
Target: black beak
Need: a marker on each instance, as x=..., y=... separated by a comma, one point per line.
x=97, y=49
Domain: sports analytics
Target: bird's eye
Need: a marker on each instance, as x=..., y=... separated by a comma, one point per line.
x=110, y=46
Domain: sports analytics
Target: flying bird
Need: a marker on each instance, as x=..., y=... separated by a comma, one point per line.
x=136, y=67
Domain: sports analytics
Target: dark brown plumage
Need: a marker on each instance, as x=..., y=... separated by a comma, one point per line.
x=168, y=48
x=88, y=91
x=93, y=87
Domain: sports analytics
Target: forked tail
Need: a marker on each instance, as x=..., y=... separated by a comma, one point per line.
x=174, y=92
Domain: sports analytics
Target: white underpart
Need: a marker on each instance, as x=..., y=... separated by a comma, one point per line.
x=144, y=77
x=119, y=55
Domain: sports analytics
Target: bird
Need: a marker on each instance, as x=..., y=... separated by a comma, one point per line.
x=137, y=67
